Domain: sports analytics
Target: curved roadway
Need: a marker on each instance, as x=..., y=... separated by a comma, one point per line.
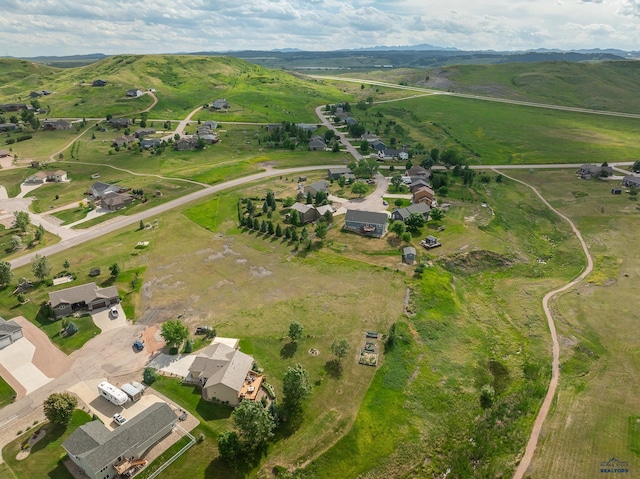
x=555, y=365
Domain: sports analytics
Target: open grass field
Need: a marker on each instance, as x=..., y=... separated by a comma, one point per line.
x=595, y=415
x=29, y=243
x=45, y=459
x=181, y=82
x=44, y=143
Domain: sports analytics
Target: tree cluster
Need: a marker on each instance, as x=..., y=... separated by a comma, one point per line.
x=287, y=136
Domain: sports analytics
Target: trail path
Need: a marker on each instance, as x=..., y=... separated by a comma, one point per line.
x=555, y=365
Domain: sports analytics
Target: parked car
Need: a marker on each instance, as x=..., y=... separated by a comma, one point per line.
x=119, y=420
x=113, y=312
x=138, y=345
x=203, y=329
x=385, y=203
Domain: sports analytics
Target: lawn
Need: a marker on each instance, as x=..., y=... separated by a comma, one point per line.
x=45, y=459
x=6, y=393
x=29, y=242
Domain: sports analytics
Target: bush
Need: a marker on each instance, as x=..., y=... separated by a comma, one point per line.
x=149, y=376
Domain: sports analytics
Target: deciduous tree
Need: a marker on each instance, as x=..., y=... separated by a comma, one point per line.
x=21, y=220
x=40, y=267
x=359, y=188
x=174, y=332
x=295, y=330
x=6, y=275
x=59, y=407
x=398, y=227
x=253, y=423
x=340, y=348
x=415, y=222
x=296, y=386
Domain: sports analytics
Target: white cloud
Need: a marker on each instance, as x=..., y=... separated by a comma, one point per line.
x=66, y=27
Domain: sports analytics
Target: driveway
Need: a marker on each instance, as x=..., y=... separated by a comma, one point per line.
x=176, y=364
x=17, y=360
x=373, y=201
x=103, y=319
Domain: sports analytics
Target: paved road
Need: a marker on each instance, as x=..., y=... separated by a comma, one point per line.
x=182, y=125
x=555, y=364
x=482, y=98
x=341, y=136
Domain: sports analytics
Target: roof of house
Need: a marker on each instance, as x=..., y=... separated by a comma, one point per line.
x=632, y=179
x=4, y=153
x=99, y=188
x=115, y=199
x=321, y=185
x=404, y=213
x=339, y=171
x=317, y=142
x=324, y=208
x=220, y=103
x=375, y=143
x=420, y=182
x=60, y=172
x=83, y=293
x=370, y=217
x=222, y=364
x=302, y=208
x=424, y=189
x=8, y=327
x=148, y=142
x=418, y=171
x=100, y=447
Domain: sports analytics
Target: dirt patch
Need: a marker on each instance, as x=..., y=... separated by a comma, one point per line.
x=259, y=272
x=474, y=262
x=151, y=344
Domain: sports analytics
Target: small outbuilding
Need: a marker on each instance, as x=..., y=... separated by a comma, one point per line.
x=409, y=255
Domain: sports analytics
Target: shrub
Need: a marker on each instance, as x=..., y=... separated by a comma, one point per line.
x=149, y=376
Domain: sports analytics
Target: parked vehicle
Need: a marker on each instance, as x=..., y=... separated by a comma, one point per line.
x=114, y=312
x=112, y=393
x=119, y=420
x=203, y=329
x=138, y=345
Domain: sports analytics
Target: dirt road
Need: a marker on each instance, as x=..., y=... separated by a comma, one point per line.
x=555, y=365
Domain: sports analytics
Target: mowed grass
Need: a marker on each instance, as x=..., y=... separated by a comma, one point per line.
x=6, y=393
x=45, y=459
x=593, y=417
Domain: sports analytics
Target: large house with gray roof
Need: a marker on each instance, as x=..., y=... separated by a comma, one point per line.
x=631, y=181
x=10, y=332
x=225, y=374
x=104, y=454
x=403, y=214
x=366, y=223
x=80, y=298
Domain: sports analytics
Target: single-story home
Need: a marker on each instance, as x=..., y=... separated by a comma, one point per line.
x=225, y=374
x=389, y=154
x=186, y=143
x=408, y=255
x=588, y=171
x=313, y=188
x=368, y=223
x=124, y=140
x=220, y=104
x=119, y=122
x=4, y=153
x=115, y=201
x=10, y=332
x=147, y=143
x=317, y=143
x=208, y=138
x=424, y=194
x=307, y=126
x=99, y=83
x=7, y=127
x=417, y=172
x=378, y=145
x=101, y=453
x=307, y=213
x=13, y=107
x=142, y=132
x=335, y=173
x=402, y=214
x=99, y=189
x=56, y=125
x=80, y=298
x=57, y=176
x=212, y=125
x=134, y=93
x=631, y=181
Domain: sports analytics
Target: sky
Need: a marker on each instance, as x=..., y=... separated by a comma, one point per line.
x=69, y=27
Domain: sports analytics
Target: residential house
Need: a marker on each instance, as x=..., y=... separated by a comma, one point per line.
x=149, y=143
x=225, y=374
x=82, y=298
x=142, y=132
x=99, y=83
x=424, y=194
x=186, y=143
x=367, y=223
x=101, y=453
x=273, y=126
x=418, y=183
x=99, y=189
x=10, y=332
x=4, y=153
x=35, y=94
x=115, y=201
x=631, y=181
x=402, y=214
x=350, y=121
x=119, y=122
x=220, y=104
x=408, y=255
x=208, y=138
x=418, y=172
x=588, y=171
x=389, y=154
x=324, y=208
x=307, y=127
x=39, y=177
x=317, y=143
x=56, y=125
x=307, y=213
x=313, y=188
x=7, y=127
x=212, y=125
x=13, y=107
x=134, y=93
x=124, y=140
x=378, y=145
x=336, y=173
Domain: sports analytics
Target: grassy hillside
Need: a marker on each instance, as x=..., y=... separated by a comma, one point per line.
x=182, y=83
x=608, y=86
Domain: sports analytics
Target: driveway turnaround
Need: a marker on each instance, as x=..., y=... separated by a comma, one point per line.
x=106, y=322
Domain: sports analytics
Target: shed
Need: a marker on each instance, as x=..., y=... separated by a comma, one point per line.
x=133, y=392
x=409, y=255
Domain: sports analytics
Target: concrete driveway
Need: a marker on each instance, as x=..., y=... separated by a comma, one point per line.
x=17, y=359
x=176, y=364
x=373, y=201
x=103, y=319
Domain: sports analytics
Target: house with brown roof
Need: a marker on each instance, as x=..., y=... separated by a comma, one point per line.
x=124, y=140
x=225, y=374
x=307, y=213
x=4, y=153
x=86, y=297
x=56, y=125
x=424, y=194
x=40, y=177
x=115, y=201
